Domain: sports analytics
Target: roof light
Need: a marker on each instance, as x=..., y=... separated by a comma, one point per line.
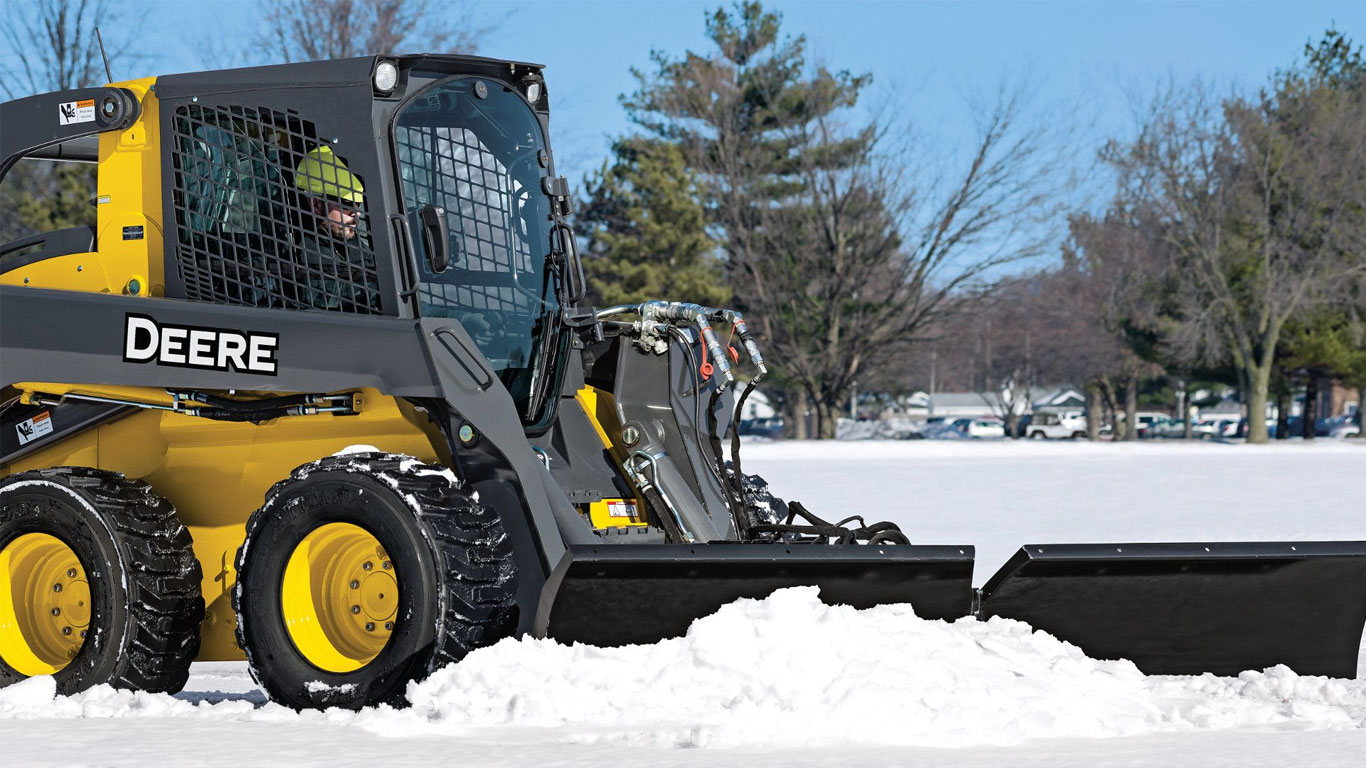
x=386, y=76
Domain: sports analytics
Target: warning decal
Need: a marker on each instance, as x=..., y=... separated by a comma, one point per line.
x=621, y=508
x=34, y=428
x=70, y=112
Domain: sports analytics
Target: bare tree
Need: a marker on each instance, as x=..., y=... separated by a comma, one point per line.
x=862, y=260
x=1255, y=202
x=309, y=30
x=50, y=45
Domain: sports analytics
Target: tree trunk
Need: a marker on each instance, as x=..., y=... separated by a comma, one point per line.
x=827, y=420
x=1131, y=407
x=797, y=414
x=1259, y=380
x=1093, y=411
x=1361, y=412
x=1283, y=413
x=1310, y=414
x=1185, y=411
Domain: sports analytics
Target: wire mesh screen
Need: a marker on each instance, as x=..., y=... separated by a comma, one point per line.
x=267, y=215
x=494, y=271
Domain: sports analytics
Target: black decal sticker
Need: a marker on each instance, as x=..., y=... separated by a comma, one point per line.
x=132, y=233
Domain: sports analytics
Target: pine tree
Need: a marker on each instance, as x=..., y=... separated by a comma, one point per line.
x=646, y=230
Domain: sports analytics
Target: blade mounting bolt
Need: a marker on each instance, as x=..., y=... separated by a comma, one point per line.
x=355, y=609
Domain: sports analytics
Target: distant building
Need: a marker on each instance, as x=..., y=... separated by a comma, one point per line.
x=1060, y=400
x=956, y=404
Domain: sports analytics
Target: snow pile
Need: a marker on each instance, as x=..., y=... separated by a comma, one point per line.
x=789, y=671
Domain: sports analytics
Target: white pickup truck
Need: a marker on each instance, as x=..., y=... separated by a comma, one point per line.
x=1060, y=426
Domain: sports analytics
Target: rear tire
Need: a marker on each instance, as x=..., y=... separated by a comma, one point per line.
x=129, y=605
x=1037, y=435
x=452, y=569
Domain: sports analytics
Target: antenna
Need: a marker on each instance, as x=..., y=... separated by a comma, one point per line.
x=100, y=40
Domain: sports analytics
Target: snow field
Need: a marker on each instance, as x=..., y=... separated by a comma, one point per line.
x=790, y=671
x=791, y=681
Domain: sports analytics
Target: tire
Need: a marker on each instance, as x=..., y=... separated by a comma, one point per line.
x=1078, y=435
x=1037, y=435
x=452, y=571
x=117, y=542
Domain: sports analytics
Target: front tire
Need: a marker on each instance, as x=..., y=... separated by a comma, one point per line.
x=320, y=628
x=99, y=583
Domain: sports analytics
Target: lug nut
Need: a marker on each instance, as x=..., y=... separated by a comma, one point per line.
x=388, y=625
x=368, y=565
x=355, y=584
x=66, y=630
x=82, y=633
x=369, y=626
x=56, y=587
x=56, y=611
x=388, y=565
x=71, y=573
x=355, y=609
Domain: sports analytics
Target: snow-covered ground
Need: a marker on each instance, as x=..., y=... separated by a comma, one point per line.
x=789, y=681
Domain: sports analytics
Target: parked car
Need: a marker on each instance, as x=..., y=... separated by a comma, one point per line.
x=982, y=428
x=1056, y=426
x=1166, y=427
x=1346, y=425
x=1144, y=420
x=1209, y=429
x=771, y=427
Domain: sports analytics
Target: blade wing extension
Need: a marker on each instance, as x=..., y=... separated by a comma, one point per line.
x=623, y=594
x=1183, y=609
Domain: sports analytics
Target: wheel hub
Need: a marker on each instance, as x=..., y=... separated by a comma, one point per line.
x=339, y=597
x=45, y=607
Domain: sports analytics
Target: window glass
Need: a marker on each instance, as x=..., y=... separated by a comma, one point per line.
x=472, y=147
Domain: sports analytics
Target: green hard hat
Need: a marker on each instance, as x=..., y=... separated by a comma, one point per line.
x=323, y=175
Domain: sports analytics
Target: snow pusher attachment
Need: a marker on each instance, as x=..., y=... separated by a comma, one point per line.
x=625, y=594
x=1184, y=609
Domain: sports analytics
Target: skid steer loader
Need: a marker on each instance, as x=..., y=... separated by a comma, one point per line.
x=320, y=390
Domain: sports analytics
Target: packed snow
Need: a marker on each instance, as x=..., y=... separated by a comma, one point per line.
x=789, y=680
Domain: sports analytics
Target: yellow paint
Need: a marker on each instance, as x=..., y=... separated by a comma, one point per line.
x=44, y=604
x=129, y=184
x=601, y=409
x=217, y=473
x=600, y=513
x=339, y=597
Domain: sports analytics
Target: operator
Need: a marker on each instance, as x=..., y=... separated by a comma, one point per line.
x=335, y=277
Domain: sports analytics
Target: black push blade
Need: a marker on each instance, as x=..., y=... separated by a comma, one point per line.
x=1184, y=609
x=640, y=593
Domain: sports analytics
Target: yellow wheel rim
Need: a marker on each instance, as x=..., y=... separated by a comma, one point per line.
x=44, y=604
x=339, y=597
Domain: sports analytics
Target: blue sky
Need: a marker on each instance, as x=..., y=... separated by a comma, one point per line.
x=931, y=58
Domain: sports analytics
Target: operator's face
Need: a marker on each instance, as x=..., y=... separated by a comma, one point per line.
x=339, y=220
